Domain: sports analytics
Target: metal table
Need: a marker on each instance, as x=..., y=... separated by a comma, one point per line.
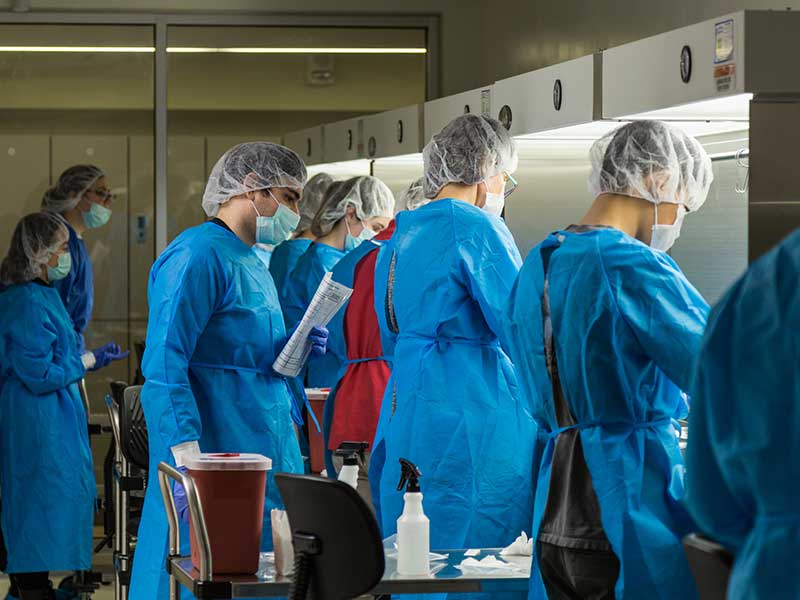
x=446, y=578
x=204, y=585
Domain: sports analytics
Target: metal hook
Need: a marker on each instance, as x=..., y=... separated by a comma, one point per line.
x=745, y=164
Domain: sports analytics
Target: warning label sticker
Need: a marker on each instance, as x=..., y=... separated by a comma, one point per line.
x=725, y=77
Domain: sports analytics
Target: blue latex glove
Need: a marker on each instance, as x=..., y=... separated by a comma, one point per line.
x=181, y=503
x=318, y=336
x=106, y=354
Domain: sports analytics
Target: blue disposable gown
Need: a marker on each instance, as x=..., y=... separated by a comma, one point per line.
x=441, y=284
x=284, y=260
x=265, y=254
x=627, y=326
x=46, y=473
x=298, y=292
x=77, y=288
x=743, y=460
x=343, y=273
x=214, y=331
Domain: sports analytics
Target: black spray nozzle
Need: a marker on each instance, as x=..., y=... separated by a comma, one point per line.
x=409, y=474
x=352, y=451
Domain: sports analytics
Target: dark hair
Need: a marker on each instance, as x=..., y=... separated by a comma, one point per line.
x=333, y=195
x=32, y=243
x=72, y=182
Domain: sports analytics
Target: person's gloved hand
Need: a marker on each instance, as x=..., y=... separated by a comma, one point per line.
x=181, y=503
x=106, y=354
x=318, y=336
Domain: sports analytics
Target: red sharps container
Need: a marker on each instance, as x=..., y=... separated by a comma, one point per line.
x=232, y=488
x=317, y=398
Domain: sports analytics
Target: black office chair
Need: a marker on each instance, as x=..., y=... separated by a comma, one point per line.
x=129, y=477
x=133, y=428
x=337, y=542
x=710, y=564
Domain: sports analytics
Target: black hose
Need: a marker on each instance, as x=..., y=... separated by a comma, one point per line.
x=302, y=577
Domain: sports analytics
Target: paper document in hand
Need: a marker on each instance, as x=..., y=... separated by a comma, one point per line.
x=328, y=299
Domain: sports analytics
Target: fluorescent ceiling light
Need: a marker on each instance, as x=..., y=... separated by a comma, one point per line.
x=200, y=50
x=413, y=159
x=597, y=129
x=291, y=50
x=728, y=108
x=108, y=49
x=346, y=169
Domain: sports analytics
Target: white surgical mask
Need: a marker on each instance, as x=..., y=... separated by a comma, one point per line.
x=663, y=237
x=495, y=203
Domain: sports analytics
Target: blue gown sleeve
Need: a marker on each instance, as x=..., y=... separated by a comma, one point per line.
x=77, y=288
x=489, y=262
x=743, y=432
x=665, y=312
x=295, y=302
x=36, y=356
x=719, y=512
x=184, y=295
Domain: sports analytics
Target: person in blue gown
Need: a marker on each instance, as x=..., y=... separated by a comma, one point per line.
x=358, y=209
x=83, y=199
x=355, y=335
x=743, y=459
x=604, y=328
x=46, y=474
x=214, y=331
x=441, y=284
x=285, y=256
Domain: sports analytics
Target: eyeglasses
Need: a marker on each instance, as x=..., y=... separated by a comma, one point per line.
x=106, y=195
x=511, y=184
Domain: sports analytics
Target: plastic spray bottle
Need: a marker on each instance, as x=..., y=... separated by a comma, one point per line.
x=413, y=527
x=350, y=451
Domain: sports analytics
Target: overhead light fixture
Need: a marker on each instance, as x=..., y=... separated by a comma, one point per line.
x=106, y=49
x=290, y=50
x=201, y=50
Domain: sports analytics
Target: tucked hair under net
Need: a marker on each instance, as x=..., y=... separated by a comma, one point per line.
x=368, y=195
x=653, y=161
x=469, y=150
x=35, y=239
x=249, y=167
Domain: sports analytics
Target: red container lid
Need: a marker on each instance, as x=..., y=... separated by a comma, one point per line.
x=318, y=393
x=229, y=461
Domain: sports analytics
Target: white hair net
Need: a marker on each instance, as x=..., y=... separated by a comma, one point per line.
x=70, y=188
x=249, y=167
x=470, y=149
x=313, y=196
x=368, y=195
x=413, y=196
x=653, y=161
x=34, y=241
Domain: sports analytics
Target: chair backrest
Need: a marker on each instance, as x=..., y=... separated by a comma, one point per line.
x=710, y=564
x=351, y=561
x=133, y=428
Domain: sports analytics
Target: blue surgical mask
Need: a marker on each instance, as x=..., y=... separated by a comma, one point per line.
x=352, y=241
x=277, y=228
x=97, y=216
x=62, y=269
